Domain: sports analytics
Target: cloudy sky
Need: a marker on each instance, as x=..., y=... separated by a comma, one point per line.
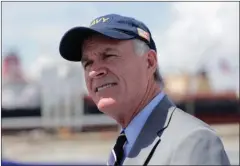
x=188, y=35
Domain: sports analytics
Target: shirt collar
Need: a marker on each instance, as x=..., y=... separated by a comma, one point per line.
x=135, y=126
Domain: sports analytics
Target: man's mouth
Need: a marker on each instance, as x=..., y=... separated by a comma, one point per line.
x=108, y=85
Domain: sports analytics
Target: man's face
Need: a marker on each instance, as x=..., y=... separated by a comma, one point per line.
x=115, y=76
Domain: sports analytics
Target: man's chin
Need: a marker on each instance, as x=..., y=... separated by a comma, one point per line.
x=105, y=104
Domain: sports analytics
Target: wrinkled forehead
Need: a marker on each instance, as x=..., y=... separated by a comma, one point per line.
x=95, y=41
x=100, y=43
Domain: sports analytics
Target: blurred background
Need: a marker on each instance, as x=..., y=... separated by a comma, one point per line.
x=47, y=115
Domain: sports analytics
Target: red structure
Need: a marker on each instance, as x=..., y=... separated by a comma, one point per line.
x=12, y=71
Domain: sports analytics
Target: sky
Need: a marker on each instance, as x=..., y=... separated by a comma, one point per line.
x=188, y=35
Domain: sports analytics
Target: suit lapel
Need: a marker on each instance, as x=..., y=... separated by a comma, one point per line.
x=150, y=132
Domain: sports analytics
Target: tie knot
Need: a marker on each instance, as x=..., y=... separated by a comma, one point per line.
x=121, y=139
x=118, y=151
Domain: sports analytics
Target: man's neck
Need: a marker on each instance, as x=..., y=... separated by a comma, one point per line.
x=152, y=91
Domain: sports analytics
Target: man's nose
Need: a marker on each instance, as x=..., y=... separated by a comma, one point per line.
x=98, y=73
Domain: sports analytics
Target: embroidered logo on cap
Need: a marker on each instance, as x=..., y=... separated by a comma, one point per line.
x=98, y=20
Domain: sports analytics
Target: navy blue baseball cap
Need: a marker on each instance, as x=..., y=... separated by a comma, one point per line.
x=112, y=25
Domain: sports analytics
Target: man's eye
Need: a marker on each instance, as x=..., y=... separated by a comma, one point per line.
x=86, y=64
x=109, y=55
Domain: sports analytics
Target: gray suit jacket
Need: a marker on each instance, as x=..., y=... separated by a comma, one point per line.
x=172, y=137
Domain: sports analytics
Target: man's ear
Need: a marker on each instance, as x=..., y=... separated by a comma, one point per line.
x=152, y=60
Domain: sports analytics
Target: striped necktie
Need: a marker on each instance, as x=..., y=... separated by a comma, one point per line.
x=118, y=151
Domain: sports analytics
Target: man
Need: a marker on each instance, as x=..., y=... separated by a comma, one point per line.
x=119, y=58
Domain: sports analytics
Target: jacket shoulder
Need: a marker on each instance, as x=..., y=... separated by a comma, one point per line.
x=186, y=122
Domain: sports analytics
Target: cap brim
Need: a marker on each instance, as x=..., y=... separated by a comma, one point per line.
x=71, y=43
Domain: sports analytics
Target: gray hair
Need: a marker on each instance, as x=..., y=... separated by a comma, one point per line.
x=141, y=48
